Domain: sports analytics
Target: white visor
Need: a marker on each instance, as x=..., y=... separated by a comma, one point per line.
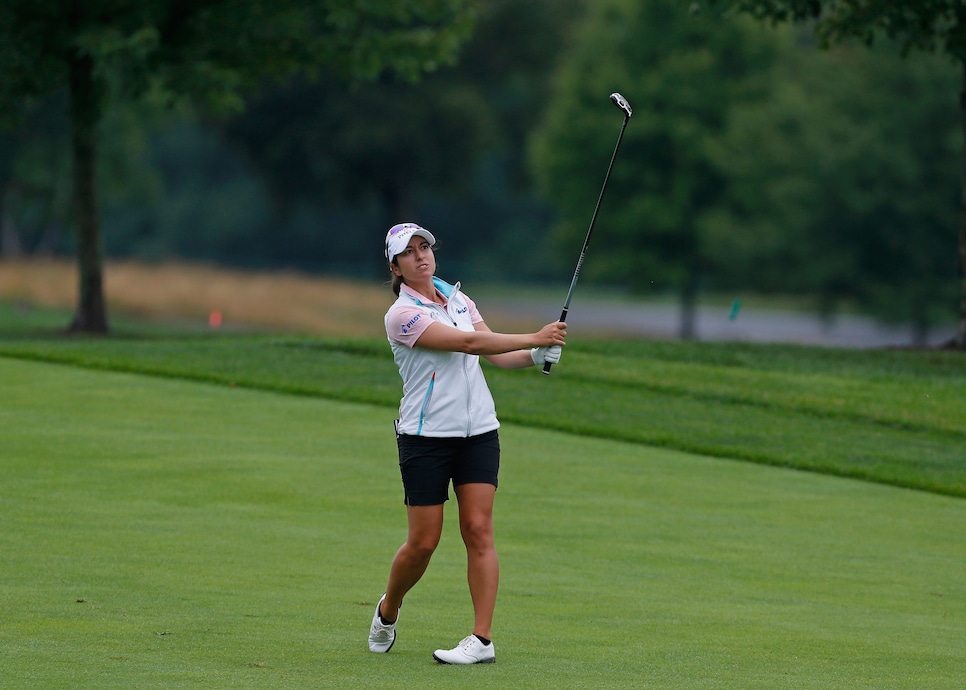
x=398, y=237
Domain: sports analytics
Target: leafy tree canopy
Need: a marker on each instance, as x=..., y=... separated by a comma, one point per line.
x=843, y=184
x=212, y=51
x=204, y=52
x=927, y=25
x=683, y=74
x=924, y=25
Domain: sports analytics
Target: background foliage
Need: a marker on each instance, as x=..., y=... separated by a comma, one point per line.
x=755, y=161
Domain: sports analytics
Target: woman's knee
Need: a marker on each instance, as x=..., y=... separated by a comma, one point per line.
x=423, y=547
x=477, y=532
x=422, y=543
x=425, y=530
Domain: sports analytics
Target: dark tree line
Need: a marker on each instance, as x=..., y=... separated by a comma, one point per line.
x=756, y=160
x=205, y=52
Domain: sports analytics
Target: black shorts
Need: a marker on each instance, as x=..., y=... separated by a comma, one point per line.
x=429, y=464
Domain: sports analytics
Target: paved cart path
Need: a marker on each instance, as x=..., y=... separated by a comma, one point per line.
x=750, y=324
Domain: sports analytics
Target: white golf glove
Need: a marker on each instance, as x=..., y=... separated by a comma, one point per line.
x=551, y=354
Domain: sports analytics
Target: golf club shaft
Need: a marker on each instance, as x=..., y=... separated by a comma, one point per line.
x=624, y=106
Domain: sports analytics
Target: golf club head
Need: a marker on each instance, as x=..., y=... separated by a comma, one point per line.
x=621, y=103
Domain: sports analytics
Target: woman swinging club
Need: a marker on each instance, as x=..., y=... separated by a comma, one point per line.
x=447, y=431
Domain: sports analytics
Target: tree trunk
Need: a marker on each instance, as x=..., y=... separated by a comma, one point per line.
x=85, y=114
x=960, y=339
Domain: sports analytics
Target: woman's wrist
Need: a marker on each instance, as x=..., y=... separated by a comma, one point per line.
x=536, y=356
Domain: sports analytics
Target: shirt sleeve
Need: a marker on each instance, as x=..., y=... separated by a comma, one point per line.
x=475, y=316
x=405, y=324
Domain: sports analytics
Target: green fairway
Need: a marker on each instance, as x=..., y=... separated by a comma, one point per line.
x=164, y=533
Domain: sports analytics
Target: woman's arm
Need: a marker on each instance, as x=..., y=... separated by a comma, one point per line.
x=505, y=350
x=516, y=359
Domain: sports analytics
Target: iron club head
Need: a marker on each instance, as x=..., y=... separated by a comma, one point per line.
x=621, y=103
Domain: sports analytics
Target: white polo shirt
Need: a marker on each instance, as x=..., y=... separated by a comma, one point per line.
x=444, y=393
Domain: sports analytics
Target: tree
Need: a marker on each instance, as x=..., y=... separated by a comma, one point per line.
x=682, y=74
x=404, y=150
x=923, y=25
x=383, y=142
x=842, y=184
x=34, y=181
x=204, y=52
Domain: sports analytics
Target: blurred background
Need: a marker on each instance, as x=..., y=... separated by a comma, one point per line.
x=756, y=165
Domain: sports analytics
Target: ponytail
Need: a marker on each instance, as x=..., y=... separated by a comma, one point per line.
x=396, y=281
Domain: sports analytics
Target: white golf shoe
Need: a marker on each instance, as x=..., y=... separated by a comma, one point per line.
x=469, y=651
x=381, y=636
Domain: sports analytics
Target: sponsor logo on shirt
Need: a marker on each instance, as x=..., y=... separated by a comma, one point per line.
x=408, y=326
x=463, y=310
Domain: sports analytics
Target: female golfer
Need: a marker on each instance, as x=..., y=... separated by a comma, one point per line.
x=447, y=430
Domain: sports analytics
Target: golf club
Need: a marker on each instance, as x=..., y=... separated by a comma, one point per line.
x=621, y=103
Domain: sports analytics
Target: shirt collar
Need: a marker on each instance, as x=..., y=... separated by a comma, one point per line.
x=444, y=289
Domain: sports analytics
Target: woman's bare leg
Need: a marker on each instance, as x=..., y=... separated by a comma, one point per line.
x=412, y=559
x=482, y=564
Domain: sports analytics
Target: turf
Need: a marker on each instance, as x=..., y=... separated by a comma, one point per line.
x=168, y=533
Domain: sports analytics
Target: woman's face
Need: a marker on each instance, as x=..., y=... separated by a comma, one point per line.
x=417, y=261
